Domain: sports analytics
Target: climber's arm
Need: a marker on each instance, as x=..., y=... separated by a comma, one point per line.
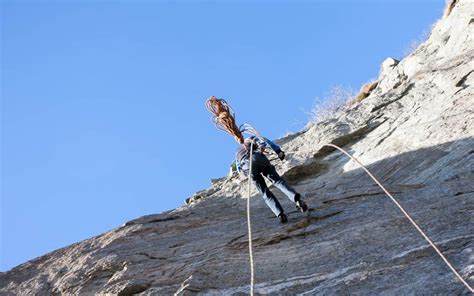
x=275, y=148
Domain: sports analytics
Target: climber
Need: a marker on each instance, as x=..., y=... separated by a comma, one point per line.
x=224, y=119
x=261, y=167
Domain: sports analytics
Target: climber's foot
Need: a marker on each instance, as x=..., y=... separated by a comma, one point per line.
x=283, y=218
x=300, y=204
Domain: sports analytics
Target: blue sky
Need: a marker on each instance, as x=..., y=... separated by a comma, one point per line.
x=103, y=116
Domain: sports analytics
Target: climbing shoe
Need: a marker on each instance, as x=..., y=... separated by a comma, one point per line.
x=283, y=218
x=300, y=204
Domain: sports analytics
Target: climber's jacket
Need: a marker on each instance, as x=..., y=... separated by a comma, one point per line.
x=259, y=145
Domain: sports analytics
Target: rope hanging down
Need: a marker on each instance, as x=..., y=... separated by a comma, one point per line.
x=406, y=215
x=224, y=119
x=249, y=224
x=389, y=195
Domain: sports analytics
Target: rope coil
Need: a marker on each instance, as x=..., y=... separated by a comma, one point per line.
x=223, y=117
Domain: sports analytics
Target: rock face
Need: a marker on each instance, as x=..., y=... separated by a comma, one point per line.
x=414, y=132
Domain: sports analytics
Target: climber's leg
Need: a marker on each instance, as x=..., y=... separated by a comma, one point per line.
x=267, y=195
x=281, y=184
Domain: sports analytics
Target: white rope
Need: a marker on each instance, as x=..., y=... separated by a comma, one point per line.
x=408, y=216
x=252, y=272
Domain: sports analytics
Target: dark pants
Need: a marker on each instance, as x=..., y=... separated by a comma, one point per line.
x=261, y=167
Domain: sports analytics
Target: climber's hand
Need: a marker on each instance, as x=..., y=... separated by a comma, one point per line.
x=281, y=155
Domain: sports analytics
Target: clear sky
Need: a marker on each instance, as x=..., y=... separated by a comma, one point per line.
x=103, y=116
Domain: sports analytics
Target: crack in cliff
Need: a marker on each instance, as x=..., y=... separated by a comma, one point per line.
x=347, y=139
x=151, y=257
x=288, y=234
x=404, y=93
x=462, y=82
x=350, y=198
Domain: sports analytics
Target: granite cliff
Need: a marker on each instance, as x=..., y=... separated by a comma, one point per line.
x=414, y=130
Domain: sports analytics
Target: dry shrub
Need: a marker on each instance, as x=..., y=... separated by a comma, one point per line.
x=332, y=103
x=415, y=43
x=412, y=47
x=365, y=91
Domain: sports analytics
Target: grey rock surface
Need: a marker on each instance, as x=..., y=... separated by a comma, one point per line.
x=415, y=132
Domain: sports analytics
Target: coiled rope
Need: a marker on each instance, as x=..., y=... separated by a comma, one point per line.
x=252, y=272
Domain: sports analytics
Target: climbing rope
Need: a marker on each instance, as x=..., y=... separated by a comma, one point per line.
x=406, y=215
x=224, y=119
x=386, y=192
x=249, y=224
